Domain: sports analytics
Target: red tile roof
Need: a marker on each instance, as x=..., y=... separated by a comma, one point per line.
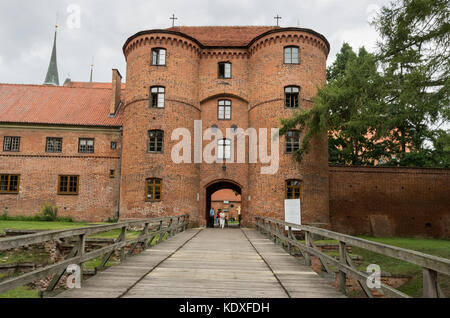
x=226, y=195
x=223, y=35
x=90, y=85
x=39, y=104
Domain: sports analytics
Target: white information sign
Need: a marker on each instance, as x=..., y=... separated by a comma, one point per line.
x=292, y=212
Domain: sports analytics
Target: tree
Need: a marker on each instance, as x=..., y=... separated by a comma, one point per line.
x=415, y=57
x=347, y=108
x=388, y=106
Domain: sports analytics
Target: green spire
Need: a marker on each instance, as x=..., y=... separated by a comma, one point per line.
x=52, y=77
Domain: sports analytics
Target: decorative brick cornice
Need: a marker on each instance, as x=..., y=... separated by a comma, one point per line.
x=287, y=35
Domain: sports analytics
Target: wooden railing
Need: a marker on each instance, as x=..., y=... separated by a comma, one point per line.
x=151, y=229
x=283, y=233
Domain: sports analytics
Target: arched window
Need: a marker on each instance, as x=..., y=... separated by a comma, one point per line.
x=224, y=70
x=153, y=189
x=155, y=141
x=224, y=110
x=291, y=55
x=291, y=96
x=158, y=56
x=292, y=141
x=224, y=149
x=293, y=189
x=157, y=96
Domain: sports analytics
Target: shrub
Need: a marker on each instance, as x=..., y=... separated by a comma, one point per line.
x=49, y=212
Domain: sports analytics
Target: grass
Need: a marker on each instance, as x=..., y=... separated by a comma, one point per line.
x=20, y=292
x=393, y=266
x=39, y=225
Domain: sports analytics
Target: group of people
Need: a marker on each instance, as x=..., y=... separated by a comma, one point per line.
x=220, y=216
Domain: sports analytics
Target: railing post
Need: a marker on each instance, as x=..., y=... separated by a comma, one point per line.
x=430, y=283
x=290, y=237
x=308, y=244
x=123, y=238
x=160, y=233
x=343, y=261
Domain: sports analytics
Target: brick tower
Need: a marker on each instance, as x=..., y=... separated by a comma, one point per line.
x=227, y=78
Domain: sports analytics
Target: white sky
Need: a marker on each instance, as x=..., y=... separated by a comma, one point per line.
x=27, y=28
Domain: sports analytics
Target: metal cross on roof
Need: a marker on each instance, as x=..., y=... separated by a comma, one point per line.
x=278, y=18
x=173, y=20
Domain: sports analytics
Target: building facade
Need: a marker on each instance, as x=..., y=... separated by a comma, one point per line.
x=100, y=150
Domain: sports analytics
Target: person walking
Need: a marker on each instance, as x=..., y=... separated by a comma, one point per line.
x=222, y=220
x=211, y=217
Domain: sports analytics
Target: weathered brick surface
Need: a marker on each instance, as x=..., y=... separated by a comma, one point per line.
x=98, y=193
x=390, y=201
x=193, y=89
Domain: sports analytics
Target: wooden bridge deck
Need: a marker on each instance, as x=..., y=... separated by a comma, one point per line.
x=209, y=263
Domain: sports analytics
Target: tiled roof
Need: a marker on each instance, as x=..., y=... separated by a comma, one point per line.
x=39, y=104
x=223, y=35
x=90, y=85
x=225, y=195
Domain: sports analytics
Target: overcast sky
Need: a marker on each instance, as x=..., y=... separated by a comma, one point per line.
x=27, y=29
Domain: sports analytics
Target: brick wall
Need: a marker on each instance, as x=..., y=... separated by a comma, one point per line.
x=97, y=199
x=390, y=201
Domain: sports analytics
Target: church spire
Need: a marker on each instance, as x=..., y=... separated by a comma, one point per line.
x=52, y=77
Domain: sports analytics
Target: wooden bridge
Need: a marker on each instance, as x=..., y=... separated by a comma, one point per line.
x=214, y=263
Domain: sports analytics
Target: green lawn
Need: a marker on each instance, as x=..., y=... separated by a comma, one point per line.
x=391, y=265
x=34, y=225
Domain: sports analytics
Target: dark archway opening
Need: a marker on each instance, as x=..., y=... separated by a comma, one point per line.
x=214, y=187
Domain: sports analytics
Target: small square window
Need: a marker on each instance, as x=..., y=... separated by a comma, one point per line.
x=224, y=70
x=292, y=141
x=54, y=145
x=112, y=173
x=9, y=184
x=157, y=96
x=291, y=55
x=11, y=144
x=68, y=184
x=156, y=141
x=224, y=110
x=158, y=57
x=86, y=145
x=113, y=145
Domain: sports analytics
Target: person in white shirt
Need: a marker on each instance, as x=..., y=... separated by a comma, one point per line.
x=222, y=219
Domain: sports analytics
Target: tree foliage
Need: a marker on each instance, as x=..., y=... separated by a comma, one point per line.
x=387, y=107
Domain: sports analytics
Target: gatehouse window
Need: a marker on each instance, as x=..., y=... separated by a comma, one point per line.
x=292, y=141
x=9, y=183
x=158, y=56
x=153, y=189
x=291, y=55
x=68, y=184
x=293, y=189
x=53, y=144
x=86, y=145
x=156, y=141
x=224, y=70
x=11, y=144
x=224, y=110
x=224, y=149
x=157, y=96
x=291, y=96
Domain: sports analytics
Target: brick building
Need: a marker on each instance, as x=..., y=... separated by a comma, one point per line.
x=227, y=201
x=105, y=150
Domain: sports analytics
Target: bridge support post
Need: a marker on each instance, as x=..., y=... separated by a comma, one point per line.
x=342, y=275
x=430, y=283
x=308, y=244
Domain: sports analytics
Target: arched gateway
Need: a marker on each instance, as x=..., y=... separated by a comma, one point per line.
x=216, y=186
